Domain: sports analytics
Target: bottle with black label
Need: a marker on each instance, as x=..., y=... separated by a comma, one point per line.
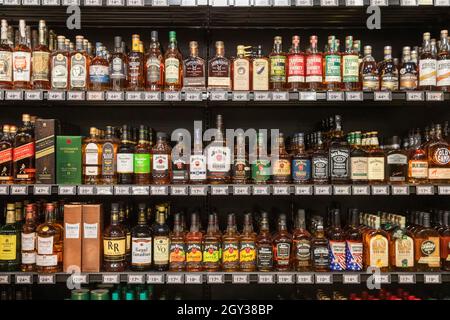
x=320, y=162
x=264, y=249
x=301, y=244
x=319, y=250
x=396, y=162
x=109, y=157
x=141, y=242
x=339, y=152
x=180, y=166
x=247, y=246
x=160, y=242
x=125, y=157
x=282, y=243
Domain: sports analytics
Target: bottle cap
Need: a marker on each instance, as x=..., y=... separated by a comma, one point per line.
x=142, y=206
x=114, y=207
x=172, y=36
x=161, y=135
x=154, y=36
x=117, y=42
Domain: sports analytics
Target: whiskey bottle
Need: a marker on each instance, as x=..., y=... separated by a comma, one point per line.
x=241, y=169
x=197, y=161
x=92, y=157
x=114, y=243
x=358, y=160
x=339, y=154
x=28, y=240
x=19, y=214
x=376, y=246
x=401, y=246
x=99, y=70
x=161, y=158
x=301, y=244
x=408, y=71
x=426, y=247
x=314, y=66
x=9, y=242
x=173, y=65
x=6, y=58
x=241, y=70
x=218, y=156
x=230, y=246
x=260, y=166
x=445, y=241
x=281, y=162
x=353, y=243
x=260, y=71
x=282, y=246
x=247, y=246
x=417, y=162
x=319, y=250
x=438, y=158
x=41, y=60
x=301, y=162
x=350, y=67
x=177, y=249
x=79, y=66
x=388, y=72
x=277, y=76
x=194, y=76
x=23, y=153
x=6, y=156
x=161, y=242
x=125, y=157
x=141, y=243
x=336, y=243
x=427, y=65
x=125, y=223
x=22, y=60
x=109, y=147
x=396, y=162
x=219, y=70
x=295, y=66
x=320, y=162
x=180, y=166
x=211, y=246
x=264, y=249
x=142, y=158
x=332, y=66
x=135, y=66
x=60, y=66
x=443, y=63
x=194, y=250
x=376, y=160
x=369, y=75
x=118, y=67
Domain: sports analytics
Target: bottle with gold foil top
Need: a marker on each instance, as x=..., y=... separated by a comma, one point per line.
x=24, y=153
x=114, y=243
x=173, y=65
x=194, y=77
x=79, y=66
x=6, y=156
x=177, y=249
x=368, y=71
x=92, y=157
x=41, y=60
x=28, y=240
x=388, y=72
x=241, y=70
x=443, y=63
x=230, y=246
x=408, y=71
x=135, y=66
x=281, y=162
x=247, y=246
x=426, y=244
x=109, y=147
x=60, y=66
x=260, y=71
x=194, y=240
x=427, y=65
x=21, y=59
x=6, y=71
x=277, y=76
x=9, y=242
x=211, y=246
x=161, y=241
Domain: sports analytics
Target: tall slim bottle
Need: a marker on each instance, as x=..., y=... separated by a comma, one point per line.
x=247, y=246
x=141, y=243
x=21, y=60
x=427, y=65
x=301, y=244
x=264, y=249
x=194, y=241
x=211, y=246
x=177, y=249
x=41, y=60
x=110, y=145
x=230, y=246
x=173, y=65
x=118, y=66
x=6, y=58
x=24, y=153
x=142, y=158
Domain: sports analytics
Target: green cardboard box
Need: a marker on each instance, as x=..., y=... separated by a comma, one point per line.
x=68, y=160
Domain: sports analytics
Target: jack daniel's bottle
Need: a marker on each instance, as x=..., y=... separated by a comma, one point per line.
x=339, y=152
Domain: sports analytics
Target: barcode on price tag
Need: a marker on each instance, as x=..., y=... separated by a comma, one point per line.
x=95, y=96
x=67, y=190
x=115, y=3
x=240, y=278
x=305, y=278
x=322, y=190
x=42, y=190
x=155, y=278
x=241, y=190
x=304, y=3
x=159, y=190
x=50, y=2
x=324, y=278
x=192, y=278
x=409, y=3
x=379, y=3
x=406, y=278
x=160, y=3
x=80, y=278
x=24, y=279
x=135, y=278
x=215, y=278
x=175, y=278
x=71, y=2
x=266, y=278
x=285, y=278
x=111, y=278
x=179, y=190
x=11, y=2
x=354, y=3
x=351, y=279
x=261, y=190
x=303, y=190
x=432, y=278
x=198, y=190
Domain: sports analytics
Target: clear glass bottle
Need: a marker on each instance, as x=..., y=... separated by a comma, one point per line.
x=219, y=70
x=197, y=161
x=154, y=65
x=173, y=65
x=194, y=75
x=180, y=165
x=218, y=156
x=41, y=60
x=277, y=58
x=118, y=66
x=21, y=60
x=99, y=70
x=369, y=75
x=6, y=58
x=109, y=146
x=161, y=160
x=295, y=66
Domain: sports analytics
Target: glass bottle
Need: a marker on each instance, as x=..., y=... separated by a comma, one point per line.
x=426, y=246
x=161, y=158
x=369, y=75
x=135, y=66
x=173, y=65
x=282, y=245
x=396, y=162
x=445, y=241
x=219, y=70
x=336, y=243
x=161, y=242
x=376, y=246
x=142, y=158
x=114, y=243
x=277, y=58
x=9, y=242
x=109, y=147
x=197, y=161
x=230, y=246
x=408, y=71
x=427, y=65
x=295, y=66
x=388, y=72
x=264, y=249
x=376, y=161
x=24, y=153
x=194, y=76
x=260, y=71
x=79, y=67
x=260, y=166
x=443, y=63
x=301, y=162
x=401, y=247
x=141, y=243
x=21, y=60
x=218, y=156
x=418, y=162
x=211, y=246
x=125, y=223
x=41, y=60
x=314, y=66
x=118, y=66
x=125, y=157
x=60, y=66
x=241, y=70
x=353, y=243
x=301, y=244
x=332, y=77
x=350, y=67
x=177, y=249
x=194, y=241
x=241, y=169
x=320, y=162
x=281, y=165
x=339, y=154
x=6, y=156
x=319, y=250
x=99, y=70
x=154, y=65
x=247, y=246
x=28, y=240
x=6, y=58
x=358, y=160
x=180, y=165
x=438, y=158
x=92, y=157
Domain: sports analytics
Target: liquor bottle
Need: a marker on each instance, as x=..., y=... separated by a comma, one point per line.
x=260, y=166
x=401, y=247
x=282, y=245
x=369, y=71
x=6, y=156
x=388, y=72
x=319, y=250
x=218, y=156
x=142, y=158
x=427, y=65
x=92, y=156
x=6, y=58
x=353, y=244
x=376, y=246
x=260, y=71
x=247, y=246
x=194, y=76
x=230, y=246
x=109, y=147
x=154, y=65
x=443, y=63
x=173, y=65
x=211, y=246
x=358, y=160
x=177, y=249
x=350, y=67
x=408, y=71
x=180, y=166
x=426, y=247
x=135, y=66
x=241, y=70
x=99, y=70
x=264, y=249
x=19, y=214
x=295, y=66
x=376, y=160
x=445, y=241
x=79, y=67
x=114, y=243
x=241, y=168
x=396, y=162
x=197, y=161
x=219, y=70
x=332, y=66
x=9, y=242
x=23, y=153
x=161, y=242
x=320, y=162
x=281, y=162
x=141, y=243
x=28, y=241
x=21, y=59
x=60, y=66
x=125, y=157
x=417, y=162
x=161, y=158
x=438, y=158
x=194, y=240
x=118, y=67
x=41, y=60
x=301, y=244
x=339, y=154
x=314, y=66
x=336, y=243
x=277, y=58
x=125, y=223
x=301, y=162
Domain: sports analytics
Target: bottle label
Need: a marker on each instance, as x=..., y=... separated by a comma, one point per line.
x=354, y=255
x=408, y=80
x=194, y=71
x=24, y=151
x=160, y=162
x=180, y=170
x=230, y=252
x=172, y=70
x=418, y=169
x=60, y=72
x=375, y=167
x=117, y=68
x=142, y=163
x=443, y=73
x=282, y=253
x=125, y=162
x=28, y=257
x=78, y=71
x=370, y=82
x=6, y=66
x=141, y=250
x=240, y=169
x=301, y=169
x=177, y=252
x=278, y=69
x=439, y=173
x=427, y=72
x=321, y=256
x=281, y=167
x=261, y=170
x=6, y=155
x=8, y=249
x=320, y=168
x=378, y=252
x=99, y=74
x=72, y=231
x=21, y=66
x=247, y=252
x=441, y=156
x=47, y=261
x=197, y=167
x=41, y=60
x=337, y=255
x=332, y=68
x=211, y=252
x=241, y=74
x=108, y=159
x=389, y=82
x=429, y=252
x=90, y=230
x=161, y=249
x=114, y=248
x=134, y=71
x=264, y=257
x=28, y=242
x=397, y=159
x=194, y=252
x=302, y=252
x=350, y=68
x=91, y=159
x=339, y=163
x=45, y=245
x=359, y=168
x=219, y=159
x=404, y=252
x=260, y=74
x=296, y=68
x=314, y=68
x=154, y=70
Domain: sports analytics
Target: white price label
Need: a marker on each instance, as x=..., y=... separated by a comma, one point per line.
x=42, y=190
x=193, y=96
x=115, y=95
x=261, y=3
x=425, y=190
x=198, y=190
x=240, y=96
x=382, y=96
x=215, y=278
x=79, y=278
x=241, y=190
x=152, y=96
x=135, y=279
x=261, y=190
x=406, y=278
x=4, y=190
x=86, y=190
x=71, y=2
x=414, y=96
x=56, y=95
x=75, y=95
x=189, y=3
x=409, y=3
x=104, y=190
x=380, y=190
x=179, y=190
x=354, y=96
x=95, y=96
x=135, y=3
x=140, y=190
x=160, y=3
x=354, y=3
x=175, y=278
x=305, y=278
x=342, y=190
x=219, y=190
x=307, y=96
x=242, y=3
x=50, y=2
x=31, y=2
x=67, y=190
x=122, y=190
x=280, y=96
x=193, y=278
x=218, y=96
x=329, y=3
x=34, y=95
x=285, y=279
x=219, y=3
x=361, y=190
x=24, y=279
x=172, y=96
x=133, y=96
x=111, y=278
x=4, y=279
x=335, y=96
x=92, y=3
x=322, y=190
x=159, y=190
x=115, y=3
x=435, y=96
x=442, y=3
x=11, y=2
x=382, y=278
x=281, y=190
x=46, y=279
x=13, y=95
x=432, y=278
x=262, y=96
x=266, y=278
x=304, y=3
x=303, y=190
x=155, y=278
x=19, y=190
x=240, y=278
x=281, y=3
x=444, y=190
x=324, y=278
x=351, y=279
x=400, y=190
x=379, y=3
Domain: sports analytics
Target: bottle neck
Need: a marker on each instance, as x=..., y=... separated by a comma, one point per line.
x=50, y=216
x=10, y=217
x=142, y=218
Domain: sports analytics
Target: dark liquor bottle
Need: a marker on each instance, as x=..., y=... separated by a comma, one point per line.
x=114, y=243
x=161, y=157
x=426, y=246
x=41, y=60
x=23, y=153
x=161, y=242
x=28, y=240
x=142, y=158
x=438, y=151
x=301, y=162
x=339, y=151
x=281, y=162
x=99, y=70
x=396, y=162
x=427, y=65
x=194, y=240
x=177, y=249
x=180, y=165
x=211, y=246
x=282, y=245
x=336, y=243
x=230, y=246
x=353, y=243
x=301, y=244
x=141, y=242
x=118, y=67
x=123, y=219
x=277, y=58
x=358, y=160
x=320, y=162
x=219, y=70
x=6, y=57
x=125, y=157
x=319, y=250
x=9, y=242
x=194, y=70
x=264, y=249
x=417, y=161
x=218, y=156
x=109, y=157
x=154, y=65
x=241, y=169
x=247, y=246
x=6, y=156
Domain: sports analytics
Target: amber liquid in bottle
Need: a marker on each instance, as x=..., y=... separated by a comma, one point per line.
x=125, y=157
x=161, y=158
x=6, y=57
x=230, y=246
x=177, y=249
x=282, y=244
x=92, y=157
x=119, y=63
x=219, y=70
x=173, y=65
x=114, y=243
x=6, y=157
x=142, y=158
x=445, y=241
x=154, y=65
x=319, y=250
x=350, y=67
x=194, y=240
x=264, y=249
x=281, y=165
x=141, y=243
x=241, y=169
x=60, y=66
x=247, y=246
x=426, y=244
x=211, y=246
x=24, y=153
x=28, y=240
x=41, y=60
x=109, y=147
x=301, y=244
x=135, y=66
x=99, y=78
x=295, y=66
x=79, y=66
x=21, y=59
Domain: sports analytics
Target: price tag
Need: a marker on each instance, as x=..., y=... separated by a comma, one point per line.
x=152, y=96
x=335, y=96
x=192, y=278
x=34, y=95
x=104, y=190
x=2, y=94
x=342, y=190
x=305, y=278
x=382, y=96
x=382, y=278
x=80, y=278
x=42, y=190
x=400, y=190
x=379, y=3
x=19, y=190
x=188, y=3
x=135, y=279
x=75, y=95
x=351, y=279
x=95, y=96
x=160, y=3
x=175, y=278
x=218, y=95
x=435, y=96
x=56, y=95
x=215, y=278
x=71, y=2
x=219, y=3
x=179, y=190
x=281, y=190
x=172, y=96
x=329, y=3
x=115, y=96
x=304, y=3
x=11, y=2
x=424, y=190
x=24, y=279
x=13, y=95
x=86, y=190
x=322, y=190
x=92, y=3
x=4, y=190
x=159, y=190
x=441, y=3
x=50, y=2
x=241, y=190
x=135, y=3
x=219, y=190
x=280, y=96
x=444, y=190
x=261, y=190
x=133, y=96
x=324, y=278
x=115, y=3
x=303, y=190
x=242, y=3
x=140, y=190
x=361, y=190
x=354, y=3
x=198, y=190
x=432, y=279
x=281, y=3
x=409, y=3
x=193, y=96
x=266, y=278
x=307, y=96
x=5, y=279
x=354, y=96
x=67, y=190
x=31, y=2
x=122, y=190
x=414, y=96
x=110, y=278
x=46, y=279
x=155, y=278
x=240, y=96
x=240, y=278
x=407, y=278
x=261, y=3
x=380, y=190
x=285, y=279
x=262, y=96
